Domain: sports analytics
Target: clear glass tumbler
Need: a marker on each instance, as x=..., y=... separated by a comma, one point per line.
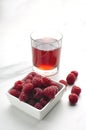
x=46, y=50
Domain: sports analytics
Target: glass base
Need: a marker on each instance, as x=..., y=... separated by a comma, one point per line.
x=46, y=72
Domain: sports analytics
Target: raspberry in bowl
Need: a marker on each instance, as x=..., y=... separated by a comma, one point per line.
x=35, y=94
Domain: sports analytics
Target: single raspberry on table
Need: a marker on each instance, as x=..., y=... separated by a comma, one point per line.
x=63, y=82
x=37, y=93
x=76, y=90
x=75, y=73
x=50, y=91
x=27, y=88
x=38, y=105
x=14, y=92
x=73, y=98
x=70, y=78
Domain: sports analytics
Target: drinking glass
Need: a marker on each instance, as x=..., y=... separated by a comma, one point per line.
x=46, y=50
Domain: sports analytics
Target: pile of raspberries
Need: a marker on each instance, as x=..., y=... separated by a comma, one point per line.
x=75, y=90
x=35, y=90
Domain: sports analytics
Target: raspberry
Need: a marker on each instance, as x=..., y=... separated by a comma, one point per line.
x=18, y=85
x=37, y=93
x=23, y=97
x=54, y=83
x=44, y=101
x=31, y=102
x=28, y=81
x=73, y=98
x=29, y=76
x=76, y=90
x=14, y=92
x=46, y=81
x=70, y=78
x=75, y=73
x=37, y=82
x=50, y=92
x=38, y=105
x=27, y=88
x=63, y=82
x=33, y=73
x=38, y=75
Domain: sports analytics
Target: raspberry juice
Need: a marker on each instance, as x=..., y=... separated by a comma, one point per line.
x=46, y=53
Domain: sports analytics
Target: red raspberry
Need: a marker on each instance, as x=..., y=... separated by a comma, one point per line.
x=76, y=90
x=33, y=73
x=27, y=88
x=14, y=92
x=37, y=82
x=75, y=73
x=31, y=102
x=37, y=93
x=38, y=75
x=46, y=81
x=28, y=77
x=73, y=98
x=55, y=84
x=44, y=101
x=38, y=105
x=28, y=81
x=50, y=91
x=23, y=97
x=70, y=78
x=18, y=85
x=63, y=82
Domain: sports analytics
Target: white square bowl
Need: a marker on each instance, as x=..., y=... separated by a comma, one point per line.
x=34, y=112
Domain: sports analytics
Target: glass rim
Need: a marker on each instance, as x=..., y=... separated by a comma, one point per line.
x=57, y=33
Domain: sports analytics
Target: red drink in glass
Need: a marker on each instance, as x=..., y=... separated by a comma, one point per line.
x=46, y=49
x=46, y=55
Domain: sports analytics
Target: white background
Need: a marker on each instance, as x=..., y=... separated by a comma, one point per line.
x=18, y=18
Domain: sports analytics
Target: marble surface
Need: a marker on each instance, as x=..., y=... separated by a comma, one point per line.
x=17, y=20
